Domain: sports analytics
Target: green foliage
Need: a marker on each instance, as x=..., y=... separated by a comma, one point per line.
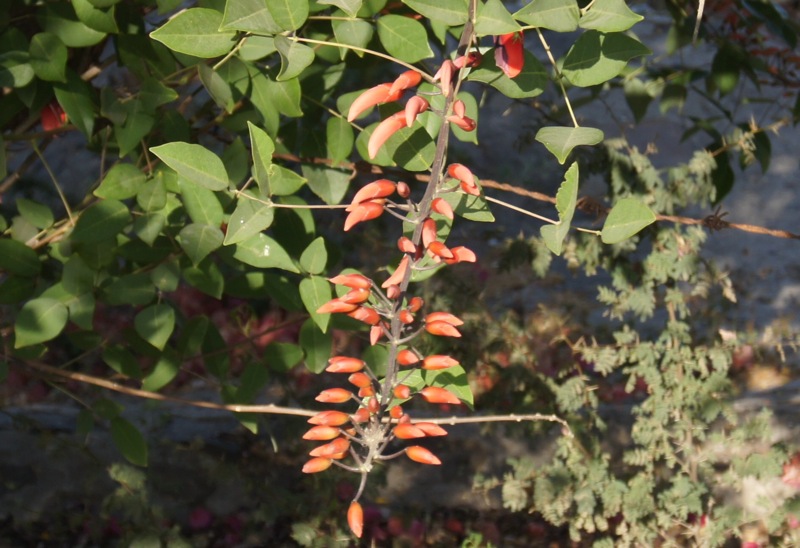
x=219, y=131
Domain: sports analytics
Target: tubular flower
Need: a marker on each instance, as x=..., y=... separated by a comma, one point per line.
x=407, y=357
x=438, y=361
x=436, y=394
x=52, y=116
x=415, y=304
x=385, y=129
x=362, y=415
x=339, y=445
x=402, y=392
x=464, y=176
x=398, y=274
x=359, y=380
x=471, y=59
x=330, y=418
x=428, y=232
x=408, y=79
x=405, y=245
x=376, y=189
x=344, y=364
x=431, y=429
x=375, y=334
x=355, y=296
x=365, y=314
x=403, y=190
x=459, y=108
x=464, y=122
x=372, y=405
x=406, y=317
x=321, y=433
x=336, y=306
x=396, y=412
x=445, y=75
x=355, y=519
x=392, y=292
x=382, y=93
x=415, y=106
x=356, y=281
x=408, y=431
x=440, y=250
x=461, y=254
x=365, y=211
x=509, y=53
x=317, y=464
x=444, y=317
x=420, y=454
x=442, y=329
x=334, y=395
x=442, y=207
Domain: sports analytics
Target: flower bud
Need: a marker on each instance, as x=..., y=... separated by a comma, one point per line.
x=420, y=454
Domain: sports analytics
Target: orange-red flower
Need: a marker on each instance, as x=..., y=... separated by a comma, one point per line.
x=509, y=53
x=360, y=380
x=408, y=79
x=52, y=116
x=464, y=122
x=352, y=280
x=329, y=418
x=431, y=429
x=365, y=314
x=321, y=433
x=428, y=232
x=438, y=361
x=336, y=306
x=355, y=519
x=442, y=329
x=391, y=125
x=402, y=392
x=444, y=317
x=461, y=254
x=382, y=93
x=440, y=250
x=436, y=394
x=408, y=431
x=317, y=464
x=403, y=190
x=334, y=395
x=375, y=334
x=415, y=304
x=442, y=207
x=445, y=75
x=420, y=454
x=344, y=364
x=337, y=446
x=355, y=296
x=398, y=274
x=405, y=245
x=471, y=59
x=376, y=189
x=365, y=211
x=407, y=357
x=414, y=107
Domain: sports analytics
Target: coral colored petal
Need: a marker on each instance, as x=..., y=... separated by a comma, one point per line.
x=431, y=429
x=510, y=54
x=422, y=455
x=375, y=334
x=408, y=431
x=365, y=211
x=398, y=274
x=438, y=361
x=466, y=123
x=407, y=357
x=442, y=207
x=403, y=190
x=462, y=173
x=317, y=464
x=415, y=304
x=442, y=329
x=364, y=314
x=440, y=250
x=321, y=433
x=330, y=418
x=471, y=189
x=335, y=306
x=445, y=74
x=355, y=296
x=352, y=280
x=373, y=96
x=415, y=106
x=405, y=245
x=343, y=364
x=408, y=79
x=463, y=254
x=459, y=108
x=428, y=232
x=334, y=395
x=359, y=380
x=376, y=189
x=385, y=129
x=436, y=394
x=444, y=317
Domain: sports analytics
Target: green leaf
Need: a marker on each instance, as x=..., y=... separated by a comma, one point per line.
x=262, y=251
x=15, y=289
x=129, y=441
x=77, y=277
x=195, y=163
x=328, y=183
x=198, y=240
x=155, y=324
x=262, y=150
x=152, y=195
x=557, y=15
x=354, y=32
x=450, y=12
x=626, y=218
x=528, y=83
x=248, y=219
x=316, y=345
x=561, y=140
x=566, y=199
x=59, y=18
x=38, y=321
x=48, y=57
x=314, y=257
x=165, y=369
x=609, y=16
x=133, y=289
x=217, y=87
x=288, y=14
x=596, y=57
x=206, y=277
x=284, y=96
x=252, y=381
x=39, y=215
x=122, y=361
x=18, y=258
x=281, y=357
x=314, y=292
x=350, y=7
x=196, y=32
x=340, y=139
x=76, y=98
x=494, y=19
x=284, y=182
x=295, y=57
x=404, y=38
x=98, y=19
x=101, y=221
x=122, y=181
x=249, y=16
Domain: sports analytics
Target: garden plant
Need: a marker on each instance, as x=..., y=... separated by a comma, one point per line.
x=281, y=200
